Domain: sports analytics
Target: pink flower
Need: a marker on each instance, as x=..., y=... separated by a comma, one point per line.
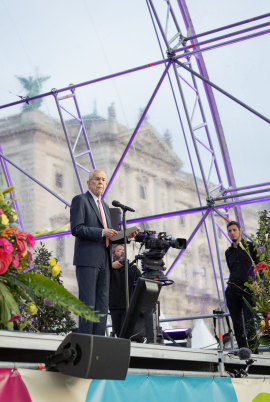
x=14, y=318
x=7, y=246
x=30, y=240
x=1, y=211
x=267, y=319
x=29, y=257
x=15, y=261
x=260, y=266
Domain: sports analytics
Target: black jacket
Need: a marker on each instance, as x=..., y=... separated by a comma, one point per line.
x=240, y=264
x=86, y=225
x=117, y=286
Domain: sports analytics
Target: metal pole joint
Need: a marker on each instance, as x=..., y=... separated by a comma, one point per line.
x=72, y=89
x=171, y=54
x=210, y=201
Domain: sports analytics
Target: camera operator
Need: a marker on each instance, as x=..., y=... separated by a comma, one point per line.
x=239, y=260
x=117, y=301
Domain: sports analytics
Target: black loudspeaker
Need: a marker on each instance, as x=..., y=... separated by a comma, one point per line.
x=116, y=218
x=92, y=356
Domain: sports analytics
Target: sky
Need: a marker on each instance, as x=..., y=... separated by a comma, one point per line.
x=75, y=41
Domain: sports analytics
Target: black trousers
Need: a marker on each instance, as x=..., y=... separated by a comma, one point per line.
x=94, y=286
x=236, y=306
x=118, y=318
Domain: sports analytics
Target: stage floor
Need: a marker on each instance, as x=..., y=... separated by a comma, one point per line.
x=28, y=347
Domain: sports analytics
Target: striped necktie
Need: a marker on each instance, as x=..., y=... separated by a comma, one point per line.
x=103, y=220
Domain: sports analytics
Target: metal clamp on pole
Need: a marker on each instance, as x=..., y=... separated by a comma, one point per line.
x=219, y=315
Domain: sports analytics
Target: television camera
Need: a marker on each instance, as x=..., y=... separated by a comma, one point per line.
x=152, y=262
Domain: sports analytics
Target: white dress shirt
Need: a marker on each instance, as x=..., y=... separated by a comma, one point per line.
x=96, y=201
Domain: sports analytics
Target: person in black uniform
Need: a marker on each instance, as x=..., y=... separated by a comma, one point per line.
x=117, y=300
x=241, y=267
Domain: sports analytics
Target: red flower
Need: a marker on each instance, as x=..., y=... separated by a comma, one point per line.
x=260, y=266
x=5, y=261
x=21, y=240
x=30, y=240
x=15, y=317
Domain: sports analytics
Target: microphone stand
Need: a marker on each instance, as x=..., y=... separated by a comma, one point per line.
x=126, y=263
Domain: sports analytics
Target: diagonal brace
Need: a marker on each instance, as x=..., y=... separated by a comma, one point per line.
x=137, y=128
x=222, y=91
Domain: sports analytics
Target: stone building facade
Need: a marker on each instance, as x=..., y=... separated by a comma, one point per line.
x=151, y=180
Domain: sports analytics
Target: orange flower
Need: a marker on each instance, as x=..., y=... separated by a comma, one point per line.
x=8, y=231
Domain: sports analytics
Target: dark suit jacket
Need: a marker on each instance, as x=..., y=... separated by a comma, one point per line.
x=86, y=226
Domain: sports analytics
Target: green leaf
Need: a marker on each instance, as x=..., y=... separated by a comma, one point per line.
x=8, y=306
x=252, y=310
x=45, y=287
x=2, y=179
x=264, y=340
x=15, y=284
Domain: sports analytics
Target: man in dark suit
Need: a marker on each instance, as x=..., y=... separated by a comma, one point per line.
x=91, y=225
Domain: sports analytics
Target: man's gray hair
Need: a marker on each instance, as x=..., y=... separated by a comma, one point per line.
x=91, y=174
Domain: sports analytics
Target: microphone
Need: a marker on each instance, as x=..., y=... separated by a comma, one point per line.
x=117, y=204
x=244, y=353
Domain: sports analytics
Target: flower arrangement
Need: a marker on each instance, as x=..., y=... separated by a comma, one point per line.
x=18, y=284
x=260, y=285
x=49, y=317
x=13, y=242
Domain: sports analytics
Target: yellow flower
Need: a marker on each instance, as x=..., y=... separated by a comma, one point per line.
x=32, y=309
x=56, y=270
x=8, y=190
x=263, y=323
x=52, y=262
x=24, y=254
x=4, y=220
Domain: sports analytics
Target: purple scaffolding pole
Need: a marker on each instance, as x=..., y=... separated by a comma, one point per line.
x=68, y=142
x=231, y=190
x=9, y=184
x=223, y=92
x=136, y=129
x=218, y=45
x=206, y=231
x=35, y=180
x=229, y=26
x=226, y=197
x=188, y=242
x=177, y=213
x=229, y=220
x=212, y=104
x=82, y=84
x=225, y=36
x=243, y=202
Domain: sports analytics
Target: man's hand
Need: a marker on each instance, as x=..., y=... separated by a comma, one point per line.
x=133, y=234
x=116, y=265
x=109, y=232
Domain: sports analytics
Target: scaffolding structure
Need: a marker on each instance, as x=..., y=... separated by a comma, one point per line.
x=181, y=51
